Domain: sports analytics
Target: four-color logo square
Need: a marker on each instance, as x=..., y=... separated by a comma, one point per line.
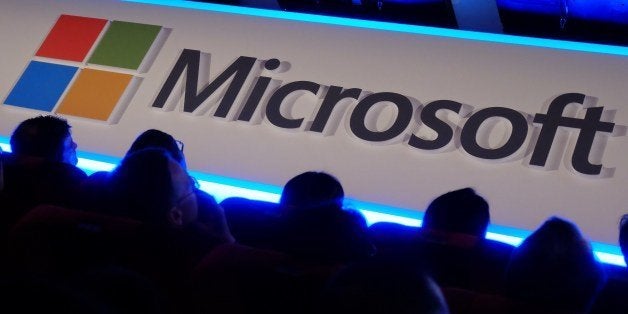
x=71, y=38
x=124, y=45
x=94, y=94
x=51, y=83
x=41, y=86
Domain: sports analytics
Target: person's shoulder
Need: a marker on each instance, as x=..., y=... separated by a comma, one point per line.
x=355, y=217
x=68, y=170
x=60, y=173
x=205, y=198
x=38, y=167
x=97, y=179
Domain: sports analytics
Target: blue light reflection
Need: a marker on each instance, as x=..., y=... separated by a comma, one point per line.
x=394, y=27
x=224, y=187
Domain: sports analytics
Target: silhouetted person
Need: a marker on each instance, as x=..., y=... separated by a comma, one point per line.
x=613, y=299
x=158, y=139
x=46, y=138
x=314, y=223
x=374, y=287
x=452, y=245
x=94, y=189
x=311, y=190
x=151, y=187
x=40, y=170
x=460, y=211
x=209, y=212
x=555, y=267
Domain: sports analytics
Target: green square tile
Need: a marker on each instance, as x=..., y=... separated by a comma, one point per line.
x=125, y=45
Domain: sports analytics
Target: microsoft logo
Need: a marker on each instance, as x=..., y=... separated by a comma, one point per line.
x=87, y=67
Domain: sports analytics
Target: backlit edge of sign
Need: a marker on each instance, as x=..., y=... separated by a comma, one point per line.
x=222, y=187
x=395, y=27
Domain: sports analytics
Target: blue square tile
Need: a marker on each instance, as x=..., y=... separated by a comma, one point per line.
x=41, y=86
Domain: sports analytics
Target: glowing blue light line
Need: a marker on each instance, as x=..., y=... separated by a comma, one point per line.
x=223, y=187
x=223, y=191
x=613, y=259
x=374, y=216
x=394, y=27
x=512, y=240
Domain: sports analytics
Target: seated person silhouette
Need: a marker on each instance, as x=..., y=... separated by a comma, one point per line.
x=461, y=211
x=612, y=299
x=41, y=168
x=554, y=267
x=97, y=182
x=209, y=212
x=451, y=242
x=314, y=223
x=151, y=187
x=158, y=139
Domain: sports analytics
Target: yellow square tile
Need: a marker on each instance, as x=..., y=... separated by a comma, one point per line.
x=94, y=94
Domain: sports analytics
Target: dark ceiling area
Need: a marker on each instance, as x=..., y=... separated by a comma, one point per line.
x=592, y=21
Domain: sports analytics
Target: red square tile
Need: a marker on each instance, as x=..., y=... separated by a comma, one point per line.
x=71, y=38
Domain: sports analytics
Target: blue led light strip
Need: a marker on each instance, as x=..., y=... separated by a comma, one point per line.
x=223, y=187
x=395, y=27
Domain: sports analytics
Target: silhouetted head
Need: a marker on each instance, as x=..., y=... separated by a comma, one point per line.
x=152, y=187
x=623, y=236
x=461, y=211
x=554, y=267
x=46, y=137
x=312, y=190
x=314, y=223
x=375, y=286
x=157, y=139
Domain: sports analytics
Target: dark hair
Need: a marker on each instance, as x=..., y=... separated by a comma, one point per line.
x=554, y=267
x=41, y=136
x=461, y=211
x=314, y=223
x=311, y=190
x=157, y=139
x=142, y=186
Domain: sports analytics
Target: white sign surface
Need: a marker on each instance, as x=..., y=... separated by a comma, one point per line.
x=393, y=83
